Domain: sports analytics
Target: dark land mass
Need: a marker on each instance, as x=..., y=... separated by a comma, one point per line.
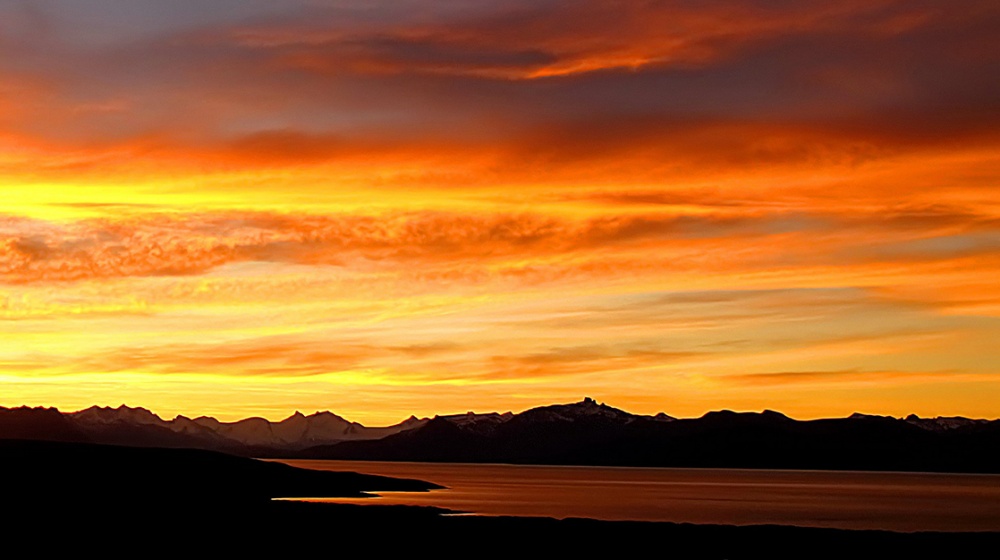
x=583, y=433
x=592, y=434
x=158, y=499
x=39, y=471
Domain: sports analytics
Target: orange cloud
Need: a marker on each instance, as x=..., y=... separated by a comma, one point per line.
x=158, y=245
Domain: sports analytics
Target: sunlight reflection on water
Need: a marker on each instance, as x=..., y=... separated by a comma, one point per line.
x=848, y=500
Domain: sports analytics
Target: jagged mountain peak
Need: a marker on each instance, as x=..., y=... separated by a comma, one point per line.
x=587, y=408
x=295, y=431
x=122, y=414
x=40, y=423
x=943, y=423
x=588, y=404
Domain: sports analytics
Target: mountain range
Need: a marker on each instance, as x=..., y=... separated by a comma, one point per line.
x=138, y=427
x=582, y=433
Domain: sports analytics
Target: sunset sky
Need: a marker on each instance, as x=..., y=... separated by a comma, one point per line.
x=385, y=208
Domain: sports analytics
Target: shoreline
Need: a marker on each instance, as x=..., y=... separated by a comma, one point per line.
x=292, y=460
x=193, y=496
x=449, y=513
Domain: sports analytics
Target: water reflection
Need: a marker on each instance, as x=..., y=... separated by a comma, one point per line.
x=850, y=500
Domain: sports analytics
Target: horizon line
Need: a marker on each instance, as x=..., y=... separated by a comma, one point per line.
x=298, y=412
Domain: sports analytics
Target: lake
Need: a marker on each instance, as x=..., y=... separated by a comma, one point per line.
x=846, y=500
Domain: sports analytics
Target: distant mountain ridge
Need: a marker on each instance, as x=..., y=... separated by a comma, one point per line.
x=130, y=426
x=591, y=433
x=585, y=433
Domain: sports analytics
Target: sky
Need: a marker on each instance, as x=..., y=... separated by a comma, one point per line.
x=384, y=208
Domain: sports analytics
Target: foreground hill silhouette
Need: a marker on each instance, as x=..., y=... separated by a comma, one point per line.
x=582, y=433
x=44, y=471
x=163, y=498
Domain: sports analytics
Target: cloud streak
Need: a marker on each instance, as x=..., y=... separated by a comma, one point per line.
x=175, y=245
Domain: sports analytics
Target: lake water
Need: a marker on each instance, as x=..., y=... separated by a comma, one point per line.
x=848, y=500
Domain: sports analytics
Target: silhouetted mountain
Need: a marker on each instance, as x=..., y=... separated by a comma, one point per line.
x=478, y=423
x=587, y=409
x=588, y=433
x=584, y=433
x=45, y=424
x=140, y=427
x=944, y=423
x=299, y=430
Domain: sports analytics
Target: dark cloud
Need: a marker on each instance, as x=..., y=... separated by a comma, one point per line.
x=831, y=79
